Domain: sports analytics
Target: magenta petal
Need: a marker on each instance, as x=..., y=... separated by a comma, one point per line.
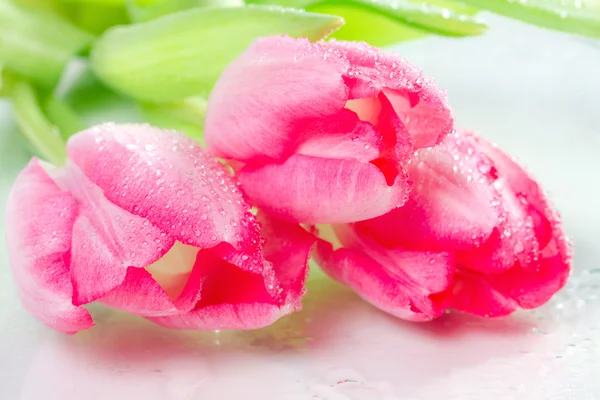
x=266, y=98
x=342, y=136
x=473, y=294
x=397, y=144
x=39, y=221
x=532, y=287
x=249, y=296
x=427, y=121
x=313, y=189
x=167, y=179
x=378, y=284
x=288, y=248
x=226, y=316
x=477, y=234
x=526, y=190
x=421, y=106
x=452, y=205
x=106, y=239
x=141, y=294
x=425, y=276
x=215, y=292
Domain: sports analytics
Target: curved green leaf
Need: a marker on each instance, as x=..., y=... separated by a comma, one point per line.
x=97, y=18
x=373, y=28
x=574, y=16
x=38, y=44
x=384, y=22
x=182, y=54
x=144, y=10
x=100, y=2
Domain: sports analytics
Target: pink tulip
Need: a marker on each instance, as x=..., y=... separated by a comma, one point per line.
x=477, y=234
x=319, y=132
x=145, y=221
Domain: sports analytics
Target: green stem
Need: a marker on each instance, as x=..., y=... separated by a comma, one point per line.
x=62, y=115
x=41, y=134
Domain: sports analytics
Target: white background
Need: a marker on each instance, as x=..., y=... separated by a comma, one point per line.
x=537, y=94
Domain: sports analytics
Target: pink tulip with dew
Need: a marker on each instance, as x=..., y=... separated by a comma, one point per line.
x=320, y=132
x=145, y=221
x=477, y=234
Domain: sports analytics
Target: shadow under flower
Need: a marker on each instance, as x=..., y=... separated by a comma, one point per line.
x=335, y=338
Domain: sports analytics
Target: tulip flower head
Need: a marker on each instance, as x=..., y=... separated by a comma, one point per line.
x=145, y=221
x=320, y=132
x=477, y=234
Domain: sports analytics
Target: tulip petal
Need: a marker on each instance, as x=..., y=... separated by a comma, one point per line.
x=168, y=179
x=212, y=281
x=407, y=285
x=473, y=294
x=226, y=316
x=528, y=255
x=426, y=276
x=296, y=83
x=366, y=278
x=532, y=287
x=528, y=192
x=141, y=293
x=313, y=189
x=452, y=205
x=397, y=144
x=279, y=86
x=288, y=248
x=106, y=239
x=238, y=297
x=512, y=241
x=342, y=136
x=421, y=106
x=38, y=212
x=528, y=223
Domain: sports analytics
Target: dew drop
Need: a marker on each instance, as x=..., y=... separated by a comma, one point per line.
x=519, y=247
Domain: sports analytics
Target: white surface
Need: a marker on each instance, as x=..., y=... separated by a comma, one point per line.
x=537, y=94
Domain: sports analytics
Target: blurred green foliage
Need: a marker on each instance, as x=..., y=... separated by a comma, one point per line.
x=165, y=55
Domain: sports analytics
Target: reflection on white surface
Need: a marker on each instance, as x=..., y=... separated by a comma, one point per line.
x=537, y=94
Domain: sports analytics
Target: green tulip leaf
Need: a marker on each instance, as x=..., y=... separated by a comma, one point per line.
x=182, y=54
x=96, y=18
x=38, y=44
x=145, y=10
x=574, y=16
x=385, y=22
